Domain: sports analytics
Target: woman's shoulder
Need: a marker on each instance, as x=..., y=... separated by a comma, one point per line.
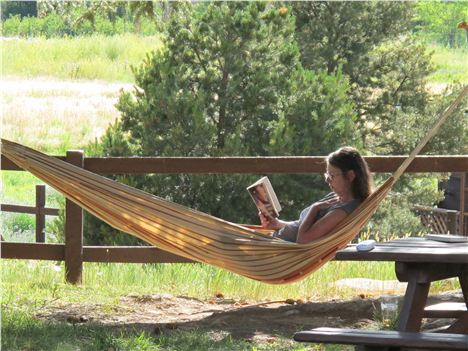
x=348, y=206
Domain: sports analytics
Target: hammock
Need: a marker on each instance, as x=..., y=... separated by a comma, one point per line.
x=196, y=235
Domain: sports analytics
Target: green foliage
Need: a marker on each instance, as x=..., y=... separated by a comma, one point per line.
x=395, y=217
x=334, y=34
x=438, y=21
x=18, y=227
x=229, y=82
x=208, y=81
x=76, y=18
x=319, y=119
x=55, y=229
x=10, y=27
x=388, y=71
x=453, y=136
x=391, y=93
x=53, y=25
x=222, y=86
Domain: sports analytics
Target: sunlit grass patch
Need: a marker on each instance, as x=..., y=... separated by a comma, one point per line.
x=23, y=332
x=93, y=57
x=107, y=282
x=55, y=116
x=451, y=65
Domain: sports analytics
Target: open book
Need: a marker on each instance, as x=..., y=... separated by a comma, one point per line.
x=264, y=197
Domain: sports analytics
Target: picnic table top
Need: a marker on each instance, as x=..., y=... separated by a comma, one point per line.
x=410, y=249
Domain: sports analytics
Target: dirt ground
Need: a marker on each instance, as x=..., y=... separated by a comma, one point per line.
x=158, y=314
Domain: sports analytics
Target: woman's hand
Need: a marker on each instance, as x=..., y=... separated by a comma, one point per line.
x=326, y=204
x=270, y=222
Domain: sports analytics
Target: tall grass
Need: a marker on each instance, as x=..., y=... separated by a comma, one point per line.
x=91, y=57
x=55, y=116
x=451, y=65
x=36, y=282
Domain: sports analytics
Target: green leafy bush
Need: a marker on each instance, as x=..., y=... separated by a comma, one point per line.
x=72, y=20
x=10, y=27
x=53, y=25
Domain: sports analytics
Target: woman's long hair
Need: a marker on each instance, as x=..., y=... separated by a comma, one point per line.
x=349, y=159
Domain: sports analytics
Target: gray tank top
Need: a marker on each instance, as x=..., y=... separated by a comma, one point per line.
x=289, y=232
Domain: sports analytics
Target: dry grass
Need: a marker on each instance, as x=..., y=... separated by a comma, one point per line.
x=53, y=115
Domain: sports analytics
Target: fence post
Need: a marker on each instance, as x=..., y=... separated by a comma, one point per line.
x=74, y=230
x=40, y=215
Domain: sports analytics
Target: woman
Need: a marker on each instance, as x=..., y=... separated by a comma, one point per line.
x=349, y=178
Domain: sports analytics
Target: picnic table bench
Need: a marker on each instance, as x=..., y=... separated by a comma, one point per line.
x=384, y=338
x=418, y=262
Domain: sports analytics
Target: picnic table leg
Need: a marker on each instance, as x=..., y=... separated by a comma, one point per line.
x=460, y=326
x=463, y=278
x=411, y=313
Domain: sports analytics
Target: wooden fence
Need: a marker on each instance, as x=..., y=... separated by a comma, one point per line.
x=74, y=253
x=439, y=220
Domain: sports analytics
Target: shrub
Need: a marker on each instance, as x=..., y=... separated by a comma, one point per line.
x=54, y=25
x=74, y=23
x=29, y=27
x=104, y=26
x=11, y=26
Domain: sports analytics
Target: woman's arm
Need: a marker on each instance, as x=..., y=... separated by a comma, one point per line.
x=322, y=227
x=309, y=220
x=271, y=223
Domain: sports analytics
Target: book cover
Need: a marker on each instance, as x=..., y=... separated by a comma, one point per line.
x=264, y=197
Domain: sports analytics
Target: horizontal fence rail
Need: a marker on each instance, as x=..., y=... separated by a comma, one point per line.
x=40, y=211
x=109, y=254
x=30, y=210
x=254, y=165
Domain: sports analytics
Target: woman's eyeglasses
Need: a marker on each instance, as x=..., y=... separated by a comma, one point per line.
x=331, y=176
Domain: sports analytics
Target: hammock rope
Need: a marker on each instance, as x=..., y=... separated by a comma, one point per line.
x=196, y=235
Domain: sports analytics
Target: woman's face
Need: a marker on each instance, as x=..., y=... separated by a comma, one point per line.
x=338, y=181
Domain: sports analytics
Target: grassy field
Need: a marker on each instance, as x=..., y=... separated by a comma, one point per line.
x=92, y=57
x=111, y=280
x=54, y=115
x=50, y=80
x=451, y=65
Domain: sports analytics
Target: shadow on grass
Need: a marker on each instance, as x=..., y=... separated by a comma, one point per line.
x=243, y=328
x=25, y=333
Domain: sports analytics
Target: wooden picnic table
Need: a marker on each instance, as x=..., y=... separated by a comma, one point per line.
x=419, y=262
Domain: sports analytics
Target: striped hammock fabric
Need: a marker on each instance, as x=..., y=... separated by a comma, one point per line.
x=196, y=235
